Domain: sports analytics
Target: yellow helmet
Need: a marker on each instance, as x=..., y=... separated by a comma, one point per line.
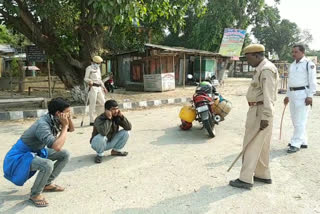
x=187, y=113
x=97, y=59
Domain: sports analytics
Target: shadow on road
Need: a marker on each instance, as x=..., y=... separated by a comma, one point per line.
x=174, y=135
x=227, y=160
x=194, y=202
x=7, y=196
x=84, y=161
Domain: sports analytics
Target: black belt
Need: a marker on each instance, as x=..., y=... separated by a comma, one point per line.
x=298, y=88
x=255, y=103
x=96, y=85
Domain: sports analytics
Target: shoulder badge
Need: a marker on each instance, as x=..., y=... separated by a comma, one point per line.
x=312, y=66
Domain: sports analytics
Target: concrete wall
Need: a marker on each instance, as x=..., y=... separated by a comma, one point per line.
x=5, y=82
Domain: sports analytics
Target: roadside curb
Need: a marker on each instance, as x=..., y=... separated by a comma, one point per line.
x=18, y=115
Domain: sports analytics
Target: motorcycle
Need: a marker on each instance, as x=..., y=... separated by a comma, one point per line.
x=202, y=101
x=208, y=107
x=109, y=84
x=192, y=81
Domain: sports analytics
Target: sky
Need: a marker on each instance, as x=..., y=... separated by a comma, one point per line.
x=305, y=13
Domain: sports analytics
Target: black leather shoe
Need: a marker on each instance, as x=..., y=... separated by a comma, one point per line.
x=98, y=159
x=301, y=147
x=292, y=149
x=91, y=124
x=240, y=184
x=263, y=180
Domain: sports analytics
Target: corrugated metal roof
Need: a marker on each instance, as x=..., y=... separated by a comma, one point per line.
x=175, y=49
x=183, y=50
x=6, y=49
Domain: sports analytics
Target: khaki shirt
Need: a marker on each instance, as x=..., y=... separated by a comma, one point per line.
x=264, y=87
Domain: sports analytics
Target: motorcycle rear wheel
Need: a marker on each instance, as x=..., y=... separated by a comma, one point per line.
x=210, y=128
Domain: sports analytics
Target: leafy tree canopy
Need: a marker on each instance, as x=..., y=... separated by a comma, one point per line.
x=71, y=31
x=279, y=35
x=206, y=32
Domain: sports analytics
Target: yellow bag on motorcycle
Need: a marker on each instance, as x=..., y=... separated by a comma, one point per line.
x=224, y=107
x=221, y=107
x=187, y=113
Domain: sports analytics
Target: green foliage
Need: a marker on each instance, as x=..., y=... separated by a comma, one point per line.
x=71, y=31
x=15, y=68
x=6, y=37
x=150, y=23
x=206, y=32
x=314, y=53
x=120, y=20
x=279, y=35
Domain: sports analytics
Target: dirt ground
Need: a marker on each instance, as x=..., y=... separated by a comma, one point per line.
x=169, y=171
x=232, y=86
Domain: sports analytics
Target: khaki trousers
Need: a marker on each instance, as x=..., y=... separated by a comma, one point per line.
x=96, y=101
x=255, y=160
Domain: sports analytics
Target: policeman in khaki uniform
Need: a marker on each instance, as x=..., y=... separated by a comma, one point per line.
x=97, y=88
x=261, y=96
x=302, y=84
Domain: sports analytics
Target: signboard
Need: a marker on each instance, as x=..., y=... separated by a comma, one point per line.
x=159, y=82
x=168, y=81
x=232, y=42
x=152, y=82
x=34, y=54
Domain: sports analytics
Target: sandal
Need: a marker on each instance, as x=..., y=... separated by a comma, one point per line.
x=39, y=202
x=98, y=159
x=55, y=188
x=116, y=153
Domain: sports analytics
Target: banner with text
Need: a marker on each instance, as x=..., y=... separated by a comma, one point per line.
x=232, y=42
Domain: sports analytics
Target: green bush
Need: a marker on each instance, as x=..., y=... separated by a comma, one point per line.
x=15, y=68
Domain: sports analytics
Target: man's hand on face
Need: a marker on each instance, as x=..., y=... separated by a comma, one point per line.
x=286, y=100
x=108, y=114
x=264, y=124
x=120, y=114
x=64, y=119
x=308, y=101
x=69, y=116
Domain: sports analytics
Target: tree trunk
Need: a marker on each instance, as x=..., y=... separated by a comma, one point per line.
x=68, y=74
x=22, y=76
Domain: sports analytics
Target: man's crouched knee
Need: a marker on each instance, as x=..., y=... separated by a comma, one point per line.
x=65, y=155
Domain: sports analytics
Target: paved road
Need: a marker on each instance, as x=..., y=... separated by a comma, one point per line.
x=172, y=171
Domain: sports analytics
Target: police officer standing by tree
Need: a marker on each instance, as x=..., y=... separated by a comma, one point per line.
x=302, y=83
x=97, y=88
x=261, y=96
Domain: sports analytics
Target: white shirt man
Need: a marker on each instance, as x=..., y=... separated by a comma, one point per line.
x=302, y=85
x=97, y=89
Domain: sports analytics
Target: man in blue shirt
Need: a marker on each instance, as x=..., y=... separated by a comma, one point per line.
x=38, y=148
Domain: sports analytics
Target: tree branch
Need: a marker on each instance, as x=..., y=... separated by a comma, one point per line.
x=21, y=27
x=74, y=62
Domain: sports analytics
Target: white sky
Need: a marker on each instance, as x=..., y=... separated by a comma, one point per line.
x=305, y=13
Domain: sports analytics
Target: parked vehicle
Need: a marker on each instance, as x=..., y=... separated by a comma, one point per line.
x=192, y=81
x=109, y=84
x=208, y=107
